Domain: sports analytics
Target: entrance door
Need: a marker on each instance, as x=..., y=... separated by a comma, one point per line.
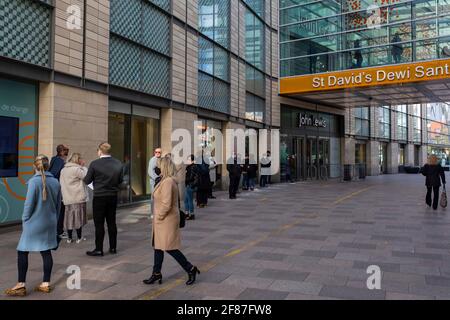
x=324, y=158
x=299, y=170
x=311, y=159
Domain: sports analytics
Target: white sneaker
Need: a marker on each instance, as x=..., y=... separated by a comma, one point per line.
x=69, y=241
x=79, y=240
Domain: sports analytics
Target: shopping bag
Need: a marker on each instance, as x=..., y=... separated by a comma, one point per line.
x=443, y=201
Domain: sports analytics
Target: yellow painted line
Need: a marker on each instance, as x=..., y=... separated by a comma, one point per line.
x=213, y=263
x=351, y=195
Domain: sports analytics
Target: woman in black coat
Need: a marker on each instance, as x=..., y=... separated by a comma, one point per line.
x=434, y=173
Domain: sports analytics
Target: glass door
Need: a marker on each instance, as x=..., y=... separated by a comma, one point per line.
x=311, y=158
x=118, y=133
x=298, y=161
x=324, y=158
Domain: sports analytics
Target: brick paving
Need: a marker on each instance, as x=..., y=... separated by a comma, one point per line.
x=290, y=241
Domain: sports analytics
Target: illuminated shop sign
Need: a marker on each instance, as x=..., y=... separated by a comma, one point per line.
x=364, y=77
x=308, y=120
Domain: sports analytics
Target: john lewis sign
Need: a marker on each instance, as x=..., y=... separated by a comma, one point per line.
x=309, y=120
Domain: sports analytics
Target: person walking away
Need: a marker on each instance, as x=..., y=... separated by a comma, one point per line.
x=75, y=196
x=106, y=174
x=191, y=182
x=39, y=220
x=265, y=170
x=234, y=171
x=203, y=185
x=434, y=174
x=56, y=165
x=212, y=176
x=252, y=170
x=166, y=235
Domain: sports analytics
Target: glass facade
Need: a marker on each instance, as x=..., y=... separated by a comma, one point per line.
x=329, y=35
x=362, y=121
x=214, y=57
x=402, y=122
x=384, y=122
x=255, y=58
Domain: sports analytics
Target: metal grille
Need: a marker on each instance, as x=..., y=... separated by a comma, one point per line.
x=213, y=93
x=126, y=18
x=136, y=68
x=221, y=96
x=205, y=91
x=141, y=22
x=124, y=64
x=163, y=4
x=156, y=74
x=156, y=30
x=25, y=31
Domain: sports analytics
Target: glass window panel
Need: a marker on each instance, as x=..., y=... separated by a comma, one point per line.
x=426, y=50
x=424, y=8
x=426, y=29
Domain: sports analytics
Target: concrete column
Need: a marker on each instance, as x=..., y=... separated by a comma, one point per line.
x=409, y=154
x=392, y=157
x=423, y=155
x=372, y=158
x=349, y=151
x=72, y=116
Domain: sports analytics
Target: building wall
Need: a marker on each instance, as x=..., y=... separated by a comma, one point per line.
x=72, y=116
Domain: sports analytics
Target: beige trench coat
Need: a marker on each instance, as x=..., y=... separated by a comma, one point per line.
x=166, y=233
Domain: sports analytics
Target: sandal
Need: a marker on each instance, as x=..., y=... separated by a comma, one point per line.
x=19, y=292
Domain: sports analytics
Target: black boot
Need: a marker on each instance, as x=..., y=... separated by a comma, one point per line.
x=155, y=277
x=192, y=276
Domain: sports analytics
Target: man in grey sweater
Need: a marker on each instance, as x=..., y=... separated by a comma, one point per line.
x=106, y=173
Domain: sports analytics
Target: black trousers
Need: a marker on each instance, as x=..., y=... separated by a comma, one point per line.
x=435, y=197
x=22, y=265
x=176, y=254
x=79, y=233
x=210, y=190
x=60, y=228
x=105, y=209
x=234, y=185
x=202, y=196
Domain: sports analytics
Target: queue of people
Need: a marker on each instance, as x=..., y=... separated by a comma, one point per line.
x=57, y=198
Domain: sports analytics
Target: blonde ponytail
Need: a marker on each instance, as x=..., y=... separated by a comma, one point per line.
x=42, y=164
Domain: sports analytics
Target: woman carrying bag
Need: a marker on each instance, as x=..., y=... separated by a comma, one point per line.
x=434, y=174
x=166, y=235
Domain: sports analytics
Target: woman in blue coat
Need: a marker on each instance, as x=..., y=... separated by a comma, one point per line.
x=39, y=222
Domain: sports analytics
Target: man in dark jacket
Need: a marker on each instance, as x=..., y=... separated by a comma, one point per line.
x=234, y=171
x=434, y=173
x=106, y=173
x=56, y=165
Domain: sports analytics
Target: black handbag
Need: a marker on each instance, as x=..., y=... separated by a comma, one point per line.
x=182, y=215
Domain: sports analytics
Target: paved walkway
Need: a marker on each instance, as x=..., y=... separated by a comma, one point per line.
x=290, y=241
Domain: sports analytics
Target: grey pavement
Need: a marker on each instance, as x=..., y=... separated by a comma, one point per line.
x=289, y=241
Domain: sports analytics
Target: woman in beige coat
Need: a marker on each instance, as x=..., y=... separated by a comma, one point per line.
x=74, y=195
x=166, y=224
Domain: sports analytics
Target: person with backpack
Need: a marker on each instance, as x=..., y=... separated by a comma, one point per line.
x=191, y=182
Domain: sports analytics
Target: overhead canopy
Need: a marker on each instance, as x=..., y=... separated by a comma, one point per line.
x=420, y=82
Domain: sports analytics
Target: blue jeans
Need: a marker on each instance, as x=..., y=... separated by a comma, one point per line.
x=189, y=199
x=263, y=181
x=245, y=182
x=251, y=183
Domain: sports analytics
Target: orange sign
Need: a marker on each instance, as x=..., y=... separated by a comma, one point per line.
x=366, y=77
